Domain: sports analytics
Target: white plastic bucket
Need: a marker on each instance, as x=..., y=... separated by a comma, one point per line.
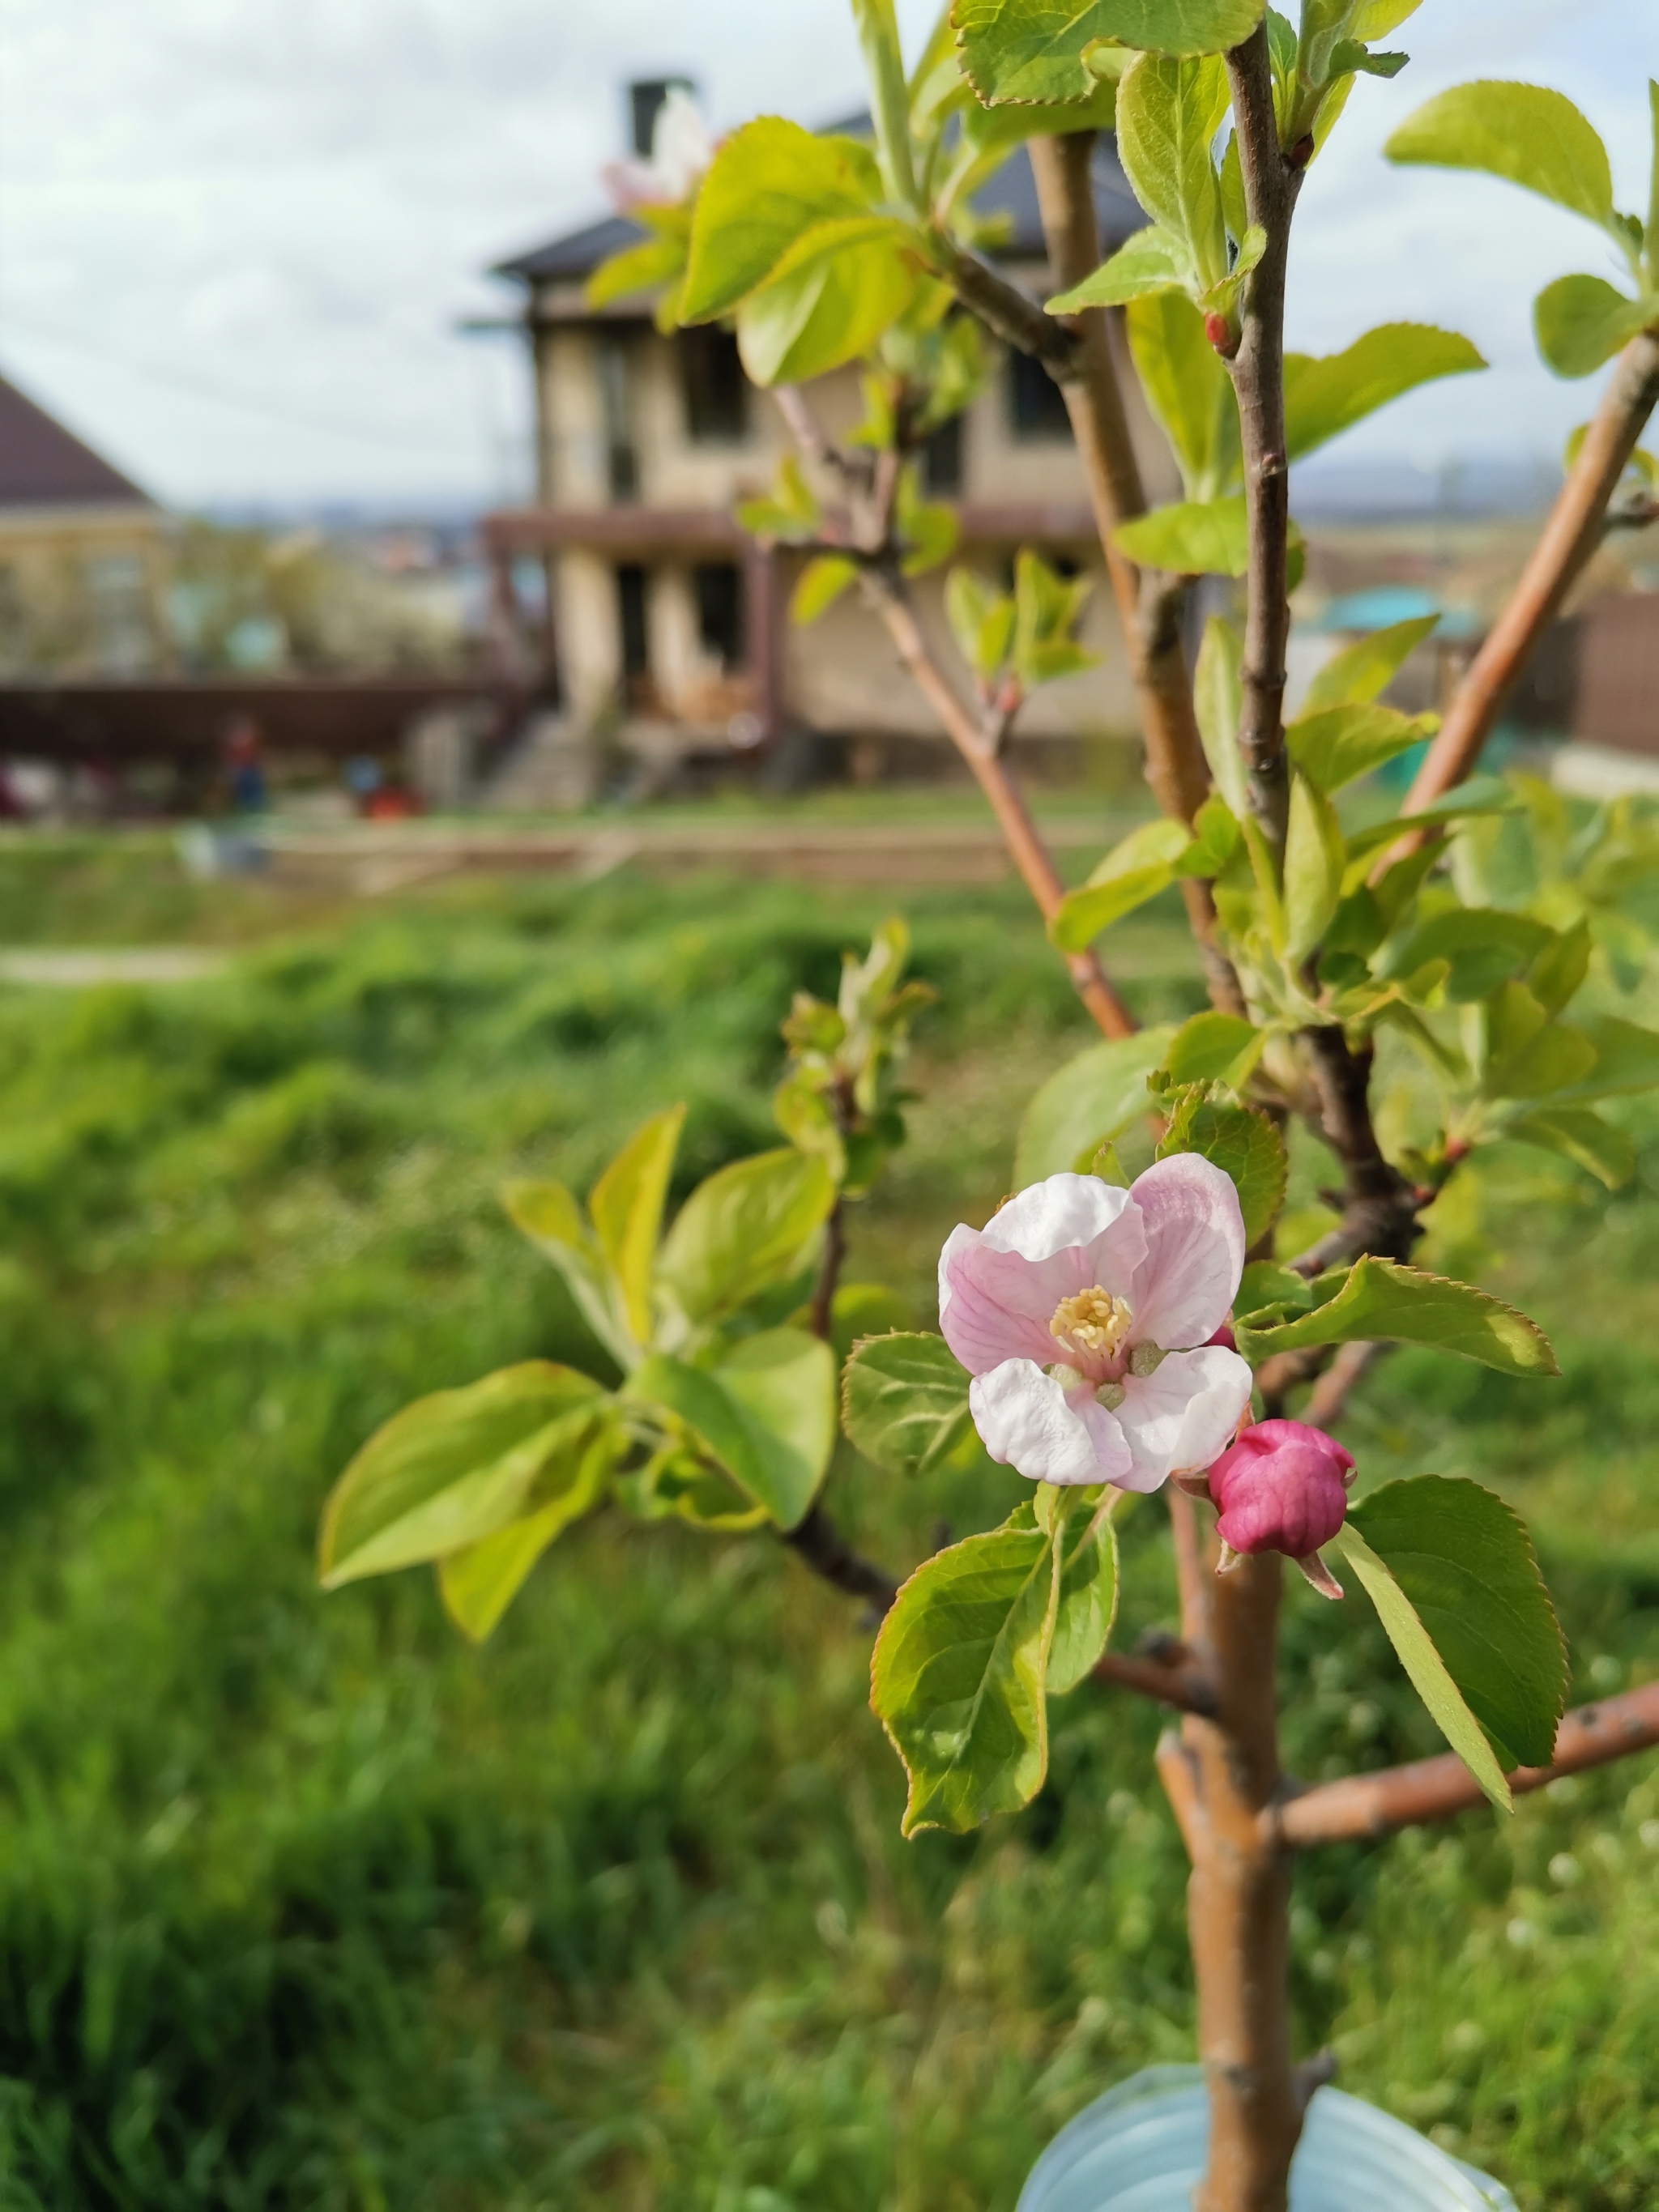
x=1140, y=2148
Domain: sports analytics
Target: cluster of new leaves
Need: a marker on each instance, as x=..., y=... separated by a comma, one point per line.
x=724, y=1412
x=1470, y=947
x=719, y=1417
x=1012, y=641
x=841, y=1100
x=1536, y=138
x=923, y=533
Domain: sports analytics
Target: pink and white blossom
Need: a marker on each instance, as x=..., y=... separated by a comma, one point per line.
x=1084, y=1313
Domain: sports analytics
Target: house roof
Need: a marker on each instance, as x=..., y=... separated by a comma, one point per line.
x=44, y=464
x=1011, y=193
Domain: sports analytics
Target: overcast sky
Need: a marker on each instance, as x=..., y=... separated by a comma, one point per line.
x=236, y=235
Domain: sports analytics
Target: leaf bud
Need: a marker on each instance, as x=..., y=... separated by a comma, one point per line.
x=1220, y=330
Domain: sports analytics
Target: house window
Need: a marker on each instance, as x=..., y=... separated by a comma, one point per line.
x=941, y=461
x=716, y=389
x=621, y=461
x=121, y=633
x=1036, y=407
x=631, y=622
x=719, y=586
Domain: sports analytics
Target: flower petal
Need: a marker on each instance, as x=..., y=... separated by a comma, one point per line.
x=999, y=1286
x=1028, y=1423
x=1194, y=1251
x=1183, y=1416
x=1049, y=1216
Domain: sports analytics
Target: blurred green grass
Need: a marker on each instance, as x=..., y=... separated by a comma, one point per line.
x=302, y=1904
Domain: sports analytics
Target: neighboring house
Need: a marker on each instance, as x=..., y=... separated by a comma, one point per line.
x=657, y=605
x=83, y=555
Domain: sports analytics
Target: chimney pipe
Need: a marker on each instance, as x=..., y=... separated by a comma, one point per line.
x=645, y=103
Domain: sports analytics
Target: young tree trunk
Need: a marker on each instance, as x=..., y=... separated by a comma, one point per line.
x=1223, y=1774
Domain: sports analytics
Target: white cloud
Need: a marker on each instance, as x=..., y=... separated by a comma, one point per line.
x=235, y=234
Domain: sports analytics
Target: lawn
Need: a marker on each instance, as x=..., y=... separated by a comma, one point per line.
x=304, y=1904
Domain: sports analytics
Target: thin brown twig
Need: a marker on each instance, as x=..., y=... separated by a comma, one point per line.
x=1271, y=185
x=1187, y=1688
x=835, y=1252
x=1569, y=538
x=1364, y=1805
x=979, y=741
x=821, y=1546
x=1150, y=605
x=978, y=748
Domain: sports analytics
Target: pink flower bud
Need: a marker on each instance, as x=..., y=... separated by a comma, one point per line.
x=1282, y=1487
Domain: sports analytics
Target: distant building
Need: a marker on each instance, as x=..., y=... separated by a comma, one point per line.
x=83, y=555
x=658, y=609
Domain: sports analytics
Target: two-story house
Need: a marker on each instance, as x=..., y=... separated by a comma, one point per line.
x=658, y=607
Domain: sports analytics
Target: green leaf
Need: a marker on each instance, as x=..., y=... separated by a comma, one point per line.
x=1168, y=113
x=1581, y=1135
x=819, y=584
x=1088, y=1593
x=1194, y=538
x=1483, y=945
x=1138, y=869
x=1424, y=1667
x=626, y=1204
x=1348, y=56
x=1267, y=1287
x=1626, y=1058
x=790, y=513
x=1465, y=1563
x=1091, y=1100
x=1526, y=133
x=785, y=1380
x=479, y=1582
x=1211, y=1047
x=957, y=1675
x=1336, y=746
x=1243, y=1143
x=1047, y=606
x=1219, y=698
x=1382, y=1300
x=1482, y=794
x=1188, y=389
x=750, y=1225
x=1152, y=261
x=904, y=1402
x=643, y=268
x=928, y=530
x=1376, y=18
x=769, y=182
x=1026, y=49
x=1363, y=670
x=456, y=1466
x=981, y=621
x=848, y=283
x=1555, y=975
x=884, y=62
x=1315, y=855
x=1325, y=395
x=549, y=1216
x=766, y=1417
x=1581, y=321
x=1531, y=1056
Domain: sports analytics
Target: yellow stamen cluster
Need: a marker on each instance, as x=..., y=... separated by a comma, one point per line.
x=1093, y=1321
